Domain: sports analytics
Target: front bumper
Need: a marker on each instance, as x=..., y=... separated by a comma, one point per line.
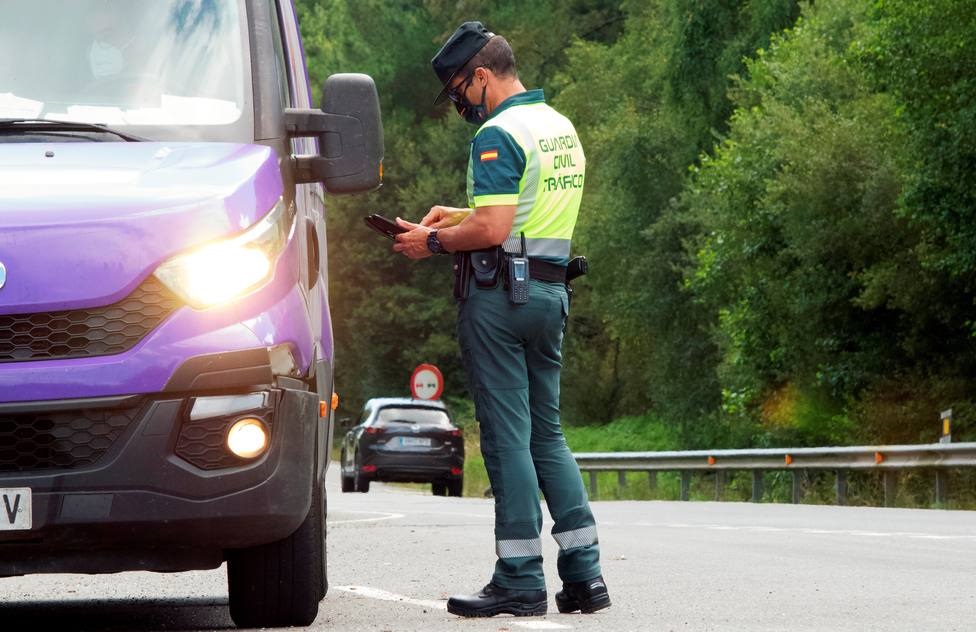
x=138, y=505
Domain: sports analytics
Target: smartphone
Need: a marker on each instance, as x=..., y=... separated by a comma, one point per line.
x=384, y=226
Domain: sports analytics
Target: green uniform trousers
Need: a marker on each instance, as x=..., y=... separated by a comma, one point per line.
x=512, y=357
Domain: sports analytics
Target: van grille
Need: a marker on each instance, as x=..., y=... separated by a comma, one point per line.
x=86, y=333
x=60, y=439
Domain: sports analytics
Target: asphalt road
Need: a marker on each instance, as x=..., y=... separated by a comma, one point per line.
x=395, y=556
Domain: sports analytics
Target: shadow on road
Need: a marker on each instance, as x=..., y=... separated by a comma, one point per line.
x=116, y=615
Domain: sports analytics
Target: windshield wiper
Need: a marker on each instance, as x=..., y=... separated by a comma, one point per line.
x=50, y=125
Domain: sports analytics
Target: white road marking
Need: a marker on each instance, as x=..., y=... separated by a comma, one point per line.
x=542, y=625
x=847, y=532
x=376, y=593
x=383, y=515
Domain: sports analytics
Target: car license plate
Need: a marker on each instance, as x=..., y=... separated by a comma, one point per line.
x=421, y=442
x=15, y=508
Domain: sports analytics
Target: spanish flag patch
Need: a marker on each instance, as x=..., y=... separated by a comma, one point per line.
x=491, y=154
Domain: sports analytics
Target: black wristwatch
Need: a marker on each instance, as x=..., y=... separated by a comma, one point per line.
x=434, y=244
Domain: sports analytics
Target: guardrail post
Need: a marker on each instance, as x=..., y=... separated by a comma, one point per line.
x=757, y=486
x=592, y=484
x=685, y=484
x=797, y=486
x=889, y=488
x=841, y=487
x=622, y=478
x=719, y=484
x=941, y=486
x=652, y=480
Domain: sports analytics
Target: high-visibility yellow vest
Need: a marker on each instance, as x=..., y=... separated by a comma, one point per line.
x=528, y=155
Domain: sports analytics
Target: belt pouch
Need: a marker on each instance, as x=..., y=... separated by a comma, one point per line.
x=462, y=275
x=486, y=267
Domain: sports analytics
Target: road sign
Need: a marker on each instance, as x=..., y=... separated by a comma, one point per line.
x=426, y=382
x=946, y=418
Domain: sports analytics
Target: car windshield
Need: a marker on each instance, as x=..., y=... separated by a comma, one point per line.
x=122, y=62
x=420, y=416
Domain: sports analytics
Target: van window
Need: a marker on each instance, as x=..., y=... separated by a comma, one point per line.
x=123, y=62
x=281, y=65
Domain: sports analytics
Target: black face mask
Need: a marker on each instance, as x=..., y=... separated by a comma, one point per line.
x=474, y=114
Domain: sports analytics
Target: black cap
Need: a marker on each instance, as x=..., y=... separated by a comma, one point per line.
x=467, y=40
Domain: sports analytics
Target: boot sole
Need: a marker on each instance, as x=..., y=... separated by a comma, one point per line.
x=586, y=607
x=514, y=608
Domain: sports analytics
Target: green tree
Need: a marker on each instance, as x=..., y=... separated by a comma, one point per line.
x=924, y=54
x=390, y=314
x=826, y=307
x=777, y=211
x=646, y=106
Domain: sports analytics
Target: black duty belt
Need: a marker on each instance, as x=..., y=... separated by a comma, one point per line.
x=542, y=270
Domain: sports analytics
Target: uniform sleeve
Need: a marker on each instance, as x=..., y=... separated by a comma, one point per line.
x=498, y=163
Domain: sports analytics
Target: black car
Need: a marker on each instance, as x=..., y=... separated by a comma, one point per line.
x=404, y=440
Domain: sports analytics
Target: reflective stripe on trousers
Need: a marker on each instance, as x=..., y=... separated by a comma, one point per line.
x=576, y=538
x=518, y=548
x=566, y=540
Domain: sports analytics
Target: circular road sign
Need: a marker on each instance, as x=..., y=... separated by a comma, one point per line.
x=426, y=382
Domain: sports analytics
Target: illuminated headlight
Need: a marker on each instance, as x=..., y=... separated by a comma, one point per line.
x=248, y=438
x=225, y=270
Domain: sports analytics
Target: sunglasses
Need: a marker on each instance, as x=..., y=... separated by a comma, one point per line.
x=456, y=94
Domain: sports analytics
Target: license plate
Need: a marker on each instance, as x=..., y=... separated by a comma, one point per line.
x=422, y=442
x=15, y=508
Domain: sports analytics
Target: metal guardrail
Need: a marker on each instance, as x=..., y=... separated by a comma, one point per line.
x=887, y=459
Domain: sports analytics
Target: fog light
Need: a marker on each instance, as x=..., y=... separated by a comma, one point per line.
x=248, y=438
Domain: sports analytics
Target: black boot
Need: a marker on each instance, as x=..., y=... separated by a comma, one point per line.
x=587, y=597
x=494, y=600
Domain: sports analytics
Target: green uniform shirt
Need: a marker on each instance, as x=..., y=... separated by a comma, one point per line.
x=528, y=155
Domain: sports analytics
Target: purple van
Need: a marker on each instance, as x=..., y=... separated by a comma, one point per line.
x=166, y=351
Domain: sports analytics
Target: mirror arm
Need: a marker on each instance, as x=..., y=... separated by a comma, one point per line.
x=303, y=122
x=308, y=168
x=335, y=133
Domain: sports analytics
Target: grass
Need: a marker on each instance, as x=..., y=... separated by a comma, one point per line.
x=625, y=434
x=628, y=434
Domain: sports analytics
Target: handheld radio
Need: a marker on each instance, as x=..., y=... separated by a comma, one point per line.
x=518, y=277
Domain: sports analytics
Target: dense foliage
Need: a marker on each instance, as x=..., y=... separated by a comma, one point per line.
x=778, y=213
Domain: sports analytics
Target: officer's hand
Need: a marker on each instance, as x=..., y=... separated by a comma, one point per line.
x=444, y=216
x=413, y=243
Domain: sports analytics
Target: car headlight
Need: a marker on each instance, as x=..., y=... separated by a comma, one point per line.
x=225, y=270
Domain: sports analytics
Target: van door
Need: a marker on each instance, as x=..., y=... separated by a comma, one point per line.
x=310, y=196
x=311, y=201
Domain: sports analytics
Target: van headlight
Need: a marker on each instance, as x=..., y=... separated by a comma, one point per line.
x=225, y=270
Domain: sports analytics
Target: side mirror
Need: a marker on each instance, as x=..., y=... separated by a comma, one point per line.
x=350, y=132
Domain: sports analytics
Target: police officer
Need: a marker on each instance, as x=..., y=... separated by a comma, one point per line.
x=524, y=184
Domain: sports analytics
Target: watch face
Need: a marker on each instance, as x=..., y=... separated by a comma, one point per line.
x=433, y=243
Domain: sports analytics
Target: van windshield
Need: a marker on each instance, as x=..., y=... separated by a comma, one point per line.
x=122, y=62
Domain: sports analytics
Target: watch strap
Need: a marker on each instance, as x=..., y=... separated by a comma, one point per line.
x=434, y=244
